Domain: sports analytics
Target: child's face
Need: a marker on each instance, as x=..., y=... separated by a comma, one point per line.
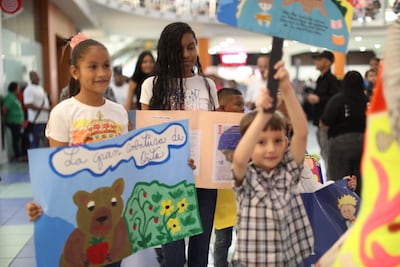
x=347, y=211
x=235, y=103
x=94, y=70
x=147, y=64
x=374, y=64
x=189, y=53
x=371, y=76
x=269, y=150
x=262, y=65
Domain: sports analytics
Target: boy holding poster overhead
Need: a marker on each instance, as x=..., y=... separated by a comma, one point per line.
x=273, y=227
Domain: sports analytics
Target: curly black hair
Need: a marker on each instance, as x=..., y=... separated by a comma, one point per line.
x=168, y=92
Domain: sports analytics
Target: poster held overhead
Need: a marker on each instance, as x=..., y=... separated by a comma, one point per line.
x=321, y=23
x=275, y=56
x=324, y=23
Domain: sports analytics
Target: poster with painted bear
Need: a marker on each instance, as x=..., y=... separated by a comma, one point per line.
x=323, y=23
x=106, y=200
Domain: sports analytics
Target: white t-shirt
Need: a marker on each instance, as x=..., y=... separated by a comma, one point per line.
x=77, y=123
x=195, y=89
x=120, y=92
x=253, y=88
x=35, y=94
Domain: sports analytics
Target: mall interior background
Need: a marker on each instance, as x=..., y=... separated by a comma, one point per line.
x=33, y=38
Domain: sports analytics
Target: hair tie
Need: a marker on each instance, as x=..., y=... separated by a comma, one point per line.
x=72, y=42
x=77, y=39
x=67, y=42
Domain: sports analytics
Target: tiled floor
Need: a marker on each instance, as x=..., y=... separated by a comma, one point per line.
x=16, y=243
x=15, y=229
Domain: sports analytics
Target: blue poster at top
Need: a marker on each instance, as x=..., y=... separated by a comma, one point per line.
x=323, y=23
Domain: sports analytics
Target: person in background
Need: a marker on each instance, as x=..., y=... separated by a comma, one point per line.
x=219, y=82
x=369, y=82
x=144, y=67
x=309, y=87
x=396, y=6
x=327, y=85
x=238, y=86
x=119, y=86
x=273, y=228
x=38, y=105
x=257, y=82
x=14, y=116
x=86, y=105
x=178, y=84
x=24, y=130
x=22, y=86
x=374, y=63
x=230, y=100
x=345, y=120
x=232, y=84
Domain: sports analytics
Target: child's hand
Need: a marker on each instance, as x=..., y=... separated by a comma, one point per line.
x=34, y=211
x=264, y=100
x=351, y=181
x=130, y=126
x=191, y=164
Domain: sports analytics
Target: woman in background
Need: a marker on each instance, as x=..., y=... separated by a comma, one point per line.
x=144, y=67
x=345, y=119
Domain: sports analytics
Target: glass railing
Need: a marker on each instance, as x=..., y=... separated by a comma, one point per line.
x=373, y=12
x=179, y=8
x=366, y=12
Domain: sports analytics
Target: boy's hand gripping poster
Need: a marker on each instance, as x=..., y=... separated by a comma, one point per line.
x=324, y=23
x=106, y=200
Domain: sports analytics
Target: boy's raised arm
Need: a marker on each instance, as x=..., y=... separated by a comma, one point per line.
x=248, y=141
x=296, y=114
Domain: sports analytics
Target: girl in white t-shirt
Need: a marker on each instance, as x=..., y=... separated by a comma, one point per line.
x=179, y=85
x=69, y=122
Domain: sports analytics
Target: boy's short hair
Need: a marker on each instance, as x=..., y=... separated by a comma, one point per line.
x=276, y=123
x=117, y=70
x=368, y=71
x=225, y=92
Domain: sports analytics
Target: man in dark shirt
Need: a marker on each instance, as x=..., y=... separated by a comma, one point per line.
x=327, y=85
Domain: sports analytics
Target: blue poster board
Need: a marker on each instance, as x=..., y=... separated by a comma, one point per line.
x=104, y=201
x=331, y=211
x=323, y=23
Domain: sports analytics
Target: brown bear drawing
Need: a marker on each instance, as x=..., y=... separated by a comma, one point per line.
x=101, y=236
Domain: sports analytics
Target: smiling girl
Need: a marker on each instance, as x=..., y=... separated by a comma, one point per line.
x=179, y=85
x=71, y=120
